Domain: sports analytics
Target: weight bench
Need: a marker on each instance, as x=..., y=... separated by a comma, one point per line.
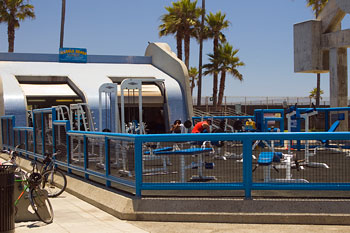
x=152, y=154
x=283, y=161
x=192, y=151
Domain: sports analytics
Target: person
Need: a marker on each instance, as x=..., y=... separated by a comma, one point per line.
x=202, y=127
x=176, y=127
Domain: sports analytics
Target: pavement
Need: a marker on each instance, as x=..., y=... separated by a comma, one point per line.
x=74, y=215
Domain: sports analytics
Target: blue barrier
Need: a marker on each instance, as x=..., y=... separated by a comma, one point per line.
x=112, y=144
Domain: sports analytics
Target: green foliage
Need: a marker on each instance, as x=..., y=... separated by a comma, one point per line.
x=193, y=74
x=224, y=61
x=313, y=93
x=181, y=20
x=316, y=5
x=12, y=12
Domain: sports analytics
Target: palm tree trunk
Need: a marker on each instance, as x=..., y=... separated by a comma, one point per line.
x=11, y=36
x=192, y=86
x=179, y=45
x=63, y=16
x=187, y=50
x=215, y=75
x=318, y=90
x=215, y=90
x=222, y=88
x=199, y=84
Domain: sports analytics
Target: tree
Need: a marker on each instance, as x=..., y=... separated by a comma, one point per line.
x=171, y=24
x=313, y=93
x=63, y=17
x=215, y=24
x=193, y=73
x=317, y=6
x=225, y=61
x=12, y=12
x=183, y=20
x=200, y=63
x=190, y=24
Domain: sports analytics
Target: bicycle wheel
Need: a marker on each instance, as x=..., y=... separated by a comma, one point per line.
x=41, y=204
x=54, y=182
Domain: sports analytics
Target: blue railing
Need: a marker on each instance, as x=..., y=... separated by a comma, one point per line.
x=120, y=158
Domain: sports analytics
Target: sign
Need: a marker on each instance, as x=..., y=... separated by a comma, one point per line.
x=75, y=55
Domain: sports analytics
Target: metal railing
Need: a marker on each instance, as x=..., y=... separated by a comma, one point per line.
x=221, y=161
x=264, y=100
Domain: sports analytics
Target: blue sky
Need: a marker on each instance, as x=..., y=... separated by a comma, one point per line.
x=261, y=30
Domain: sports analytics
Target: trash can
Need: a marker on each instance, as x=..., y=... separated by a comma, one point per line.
x=7, y=208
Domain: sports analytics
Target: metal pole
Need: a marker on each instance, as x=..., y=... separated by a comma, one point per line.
x=63, y=15
x=199, y=93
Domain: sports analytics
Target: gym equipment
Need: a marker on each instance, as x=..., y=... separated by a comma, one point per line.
x=284, y=161
x=152, y=154
x=278, y=160
x=199, y=152
x=108, y=108
x=305, y=115
x=81, y=117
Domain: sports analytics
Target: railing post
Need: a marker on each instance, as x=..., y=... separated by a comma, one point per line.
x=42, y=134
x=247, y=168
x=34, y=133
x=8, y=132
x=107, y=165
x=85, y=148
x=53, y=118
x=13, y=119
x=69, y=170
x=26, y=143
x=138, y=167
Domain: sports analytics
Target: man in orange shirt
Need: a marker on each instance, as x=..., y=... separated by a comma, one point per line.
x=202, y=127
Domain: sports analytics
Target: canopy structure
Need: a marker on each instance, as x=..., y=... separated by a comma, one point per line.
x=29, y=81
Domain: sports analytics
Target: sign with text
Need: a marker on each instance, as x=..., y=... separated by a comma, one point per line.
x=77, y=55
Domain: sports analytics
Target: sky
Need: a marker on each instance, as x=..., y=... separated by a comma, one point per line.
x=261, y=30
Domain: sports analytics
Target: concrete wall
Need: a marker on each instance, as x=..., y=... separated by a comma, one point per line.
x=307, y=47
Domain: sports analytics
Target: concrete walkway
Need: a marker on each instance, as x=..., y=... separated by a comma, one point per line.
x=75, y=215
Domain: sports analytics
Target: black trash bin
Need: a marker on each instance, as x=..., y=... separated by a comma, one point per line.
x=7, y=208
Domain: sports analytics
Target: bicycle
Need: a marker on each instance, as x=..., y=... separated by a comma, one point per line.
x=54, y=180
x=38, y=197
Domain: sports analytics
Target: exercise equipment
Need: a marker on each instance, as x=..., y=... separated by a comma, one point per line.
x=199, y=152
x=305, y=115
x=152, y=154
x=278, y=160
x=108, y=108
x=134, y=125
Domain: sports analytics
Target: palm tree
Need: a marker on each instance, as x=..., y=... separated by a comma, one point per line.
x=171, y=24
x=313, y=93
x=12, y=12
x=182, y=19
x=190, y=24
x=193, y=73
x=224, y=62
x=199, y=91
x=63, y=17
x=215, y=24
x=317, y=6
